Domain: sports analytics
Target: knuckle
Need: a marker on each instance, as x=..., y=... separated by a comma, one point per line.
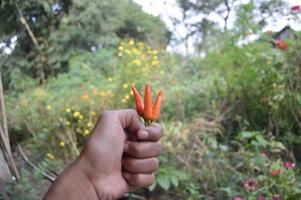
x=135, y=150
x=136, y=179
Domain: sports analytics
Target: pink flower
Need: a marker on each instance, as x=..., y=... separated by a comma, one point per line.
x=276, y=197
x=237, y=198
x=261, y=197
x=296, y=8
x=289, y=165
x=250, y=185
x=276, y=172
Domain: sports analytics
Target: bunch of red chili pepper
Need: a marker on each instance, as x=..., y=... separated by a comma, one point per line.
x=146, y=109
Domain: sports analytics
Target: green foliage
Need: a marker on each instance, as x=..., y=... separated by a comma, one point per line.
x=168, y=176
x=252, y=81
x=219, y=99
x=31, y=187
x=64, y=28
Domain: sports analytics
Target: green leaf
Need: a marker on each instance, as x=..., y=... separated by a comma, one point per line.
x=246, y=135
x=174, y=181
x=297, y=190
x=263, y=142
x=277, y=146
x=164, y=182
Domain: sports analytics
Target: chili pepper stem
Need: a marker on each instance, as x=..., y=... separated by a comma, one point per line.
x=147, y=122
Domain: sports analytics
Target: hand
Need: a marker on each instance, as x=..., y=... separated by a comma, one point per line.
x=112, y=162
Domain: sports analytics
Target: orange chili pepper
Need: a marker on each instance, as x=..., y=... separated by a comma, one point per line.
x=146, y=110
x=157, y=106
x=138, y=101
x=148, y=107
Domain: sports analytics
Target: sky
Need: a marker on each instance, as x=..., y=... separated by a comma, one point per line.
x=166, y=8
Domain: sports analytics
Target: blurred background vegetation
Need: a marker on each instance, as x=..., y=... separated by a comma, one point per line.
x=232, y=108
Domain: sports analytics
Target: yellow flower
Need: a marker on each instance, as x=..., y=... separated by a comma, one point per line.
x=50, y=156
x=131, y=42
x=127, y=97
x=128, y=52
x=62, y=143
x=76, y=114
x=137, y=62
x=155, y=52
x=119, y=54
x=49, y=107
x=155, y=62
x=93, y=113
x=120, y=48
x=90, y=124
x=102, y=94
x=68, y=110
x=136, y=51
x=86, y=132
x=123, y=100
x=125, y=85
x=81, y=117
x=67, y=123
x=110, y=79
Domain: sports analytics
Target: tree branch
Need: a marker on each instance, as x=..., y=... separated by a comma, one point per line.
x=27, y=27
x=45, y=174
x=227, y=15
x=3, y=112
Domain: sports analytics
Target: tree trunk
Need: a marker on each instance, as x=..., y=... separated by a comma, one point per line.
x=7, y=161
x=5, y=175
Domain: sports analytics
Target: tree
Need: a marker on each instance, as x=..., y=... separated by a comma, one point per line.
x=49, y=32
x=250, y=17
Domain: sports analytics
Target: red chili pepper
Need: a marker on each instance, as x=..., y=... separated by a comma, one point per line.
x=148, y=107
x=157, y=106
x=138, y=101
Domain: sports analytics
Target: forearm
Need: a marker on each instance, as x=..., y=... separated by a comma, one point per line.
x=73, y=184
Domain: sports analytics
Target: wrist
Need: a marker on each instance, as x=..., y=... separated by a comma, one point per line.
x=72, y=183
x=100, y=181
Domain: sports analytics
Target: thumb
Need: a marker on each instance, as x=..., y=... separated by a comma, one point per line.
x=129, y=120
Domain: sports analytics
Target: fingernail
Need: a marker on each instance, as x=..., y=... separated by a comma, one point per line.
x=143, y=134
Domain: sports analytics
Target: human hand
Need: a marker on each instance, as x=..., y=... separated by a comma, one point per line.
x=112, y=162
